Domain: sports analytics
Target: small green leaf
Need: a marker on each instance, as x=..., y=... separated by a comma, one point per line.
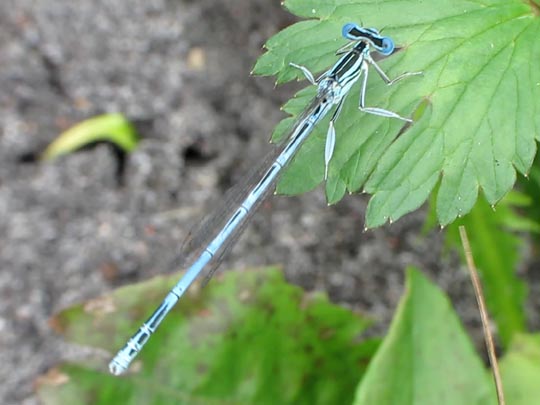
x=335, y=189
x=520, y=370
x=481, y=65
x=248, y=338
x=426, y=357
x=114, y=128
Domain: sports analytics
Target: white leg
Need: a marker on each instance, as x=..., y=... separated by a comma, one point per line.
x=306, y=72
x=345, y=48
x=374, y=110
x=385, y=77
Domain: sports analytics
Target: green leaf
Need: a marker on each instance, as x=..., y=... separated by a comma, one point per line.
x=520, y=370
x=496, y=254
x=426, y=357
x=248, y=338
x=114, y=128
x=531, y=187
x=514, y=219
x=481, y=87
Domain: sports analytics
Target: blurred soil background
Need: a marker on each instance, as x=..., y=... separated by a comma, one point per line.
x=76, y=228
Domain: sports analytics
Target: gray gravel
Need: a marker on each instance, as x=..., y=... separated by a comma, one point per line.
x=72, y=229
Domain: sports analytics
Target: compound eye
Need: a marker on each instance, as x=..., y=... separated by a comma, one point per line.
x=351, y=31
x=387, y=46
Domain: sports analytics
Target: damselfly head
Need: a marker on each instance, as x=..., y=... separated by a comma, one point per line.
x=354, y=32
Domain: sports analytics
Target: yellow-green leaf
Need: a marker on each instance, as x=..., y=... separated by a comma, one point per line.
x=114, y=128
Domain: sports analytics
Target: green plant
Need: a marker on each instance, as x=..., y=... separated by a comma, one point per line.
x=248, y=337
x=477, y=124
x=114, y=128
x=480, y=84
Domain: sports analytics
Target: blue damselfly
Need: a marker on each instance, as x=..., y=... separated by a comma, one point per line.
x=214, y=236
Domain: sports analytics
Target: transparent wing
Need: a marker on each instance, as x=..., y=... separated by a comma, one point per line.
x=207, y=229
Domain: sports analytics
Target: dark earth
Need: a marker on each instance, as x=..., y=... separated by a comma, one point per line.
x=77, y=227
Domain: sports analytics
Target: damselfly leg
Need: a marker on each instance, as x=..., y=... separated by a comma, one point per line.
x=306, y=73
x=385, y=77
